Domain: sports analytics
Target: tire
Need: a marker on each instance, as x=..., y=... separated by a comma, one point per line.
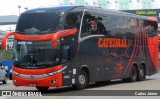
x=134, y=72
x=42, y=89
x=141, y=73
x=5, y=80
x=82, y=80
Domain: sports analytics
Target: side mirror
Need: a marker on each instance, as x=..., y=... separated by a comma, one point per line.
x=4, y=38
x=60, y=34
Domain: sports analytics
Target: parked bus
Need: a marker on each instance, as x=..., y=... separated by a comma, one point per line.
x=76, y=45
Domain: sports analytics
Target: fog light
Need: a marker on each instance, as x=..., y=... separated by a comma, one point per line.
x=14, y=80
x=32, y=85
x=53, y=81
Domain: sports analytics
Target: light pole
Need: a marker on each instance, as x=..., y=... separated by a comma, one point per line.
x=94, y=3
x=19, y=7
x=26, y=8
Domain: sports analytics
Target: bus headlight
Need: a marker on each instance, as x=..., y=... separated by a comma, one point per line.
x=15, y=73
x=53, y=73
x=56, y=72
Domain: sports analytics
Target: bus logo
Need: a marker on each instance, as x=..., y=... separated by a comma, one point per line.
x=93, y=26
x=32, y=77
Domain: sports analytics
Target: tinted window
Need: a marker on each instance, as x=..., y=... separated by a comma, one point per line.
x=118, y=25
x=45, y=22
x=152, y=27
x=106, y=24
x=92, y=25
x=73, y=20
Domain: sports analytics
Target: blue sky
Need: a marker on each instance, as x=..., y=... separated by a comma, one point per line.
x=10, y=7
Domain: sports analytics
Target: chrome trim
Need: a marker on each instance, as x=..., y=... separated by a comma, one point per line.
x=87, y=37
x=15, y=72
x=29, y=76
x=38, y=76
x=80, y=29
x=79, y=37
x=33, y=76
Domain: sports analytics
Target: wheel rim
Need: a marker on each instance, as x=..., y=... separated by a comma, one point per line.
x=141, y=72
x=81, y=79
x=134, y=74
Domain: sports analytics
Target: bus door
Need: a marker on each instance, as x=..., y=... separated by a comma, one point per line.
x=66, y=64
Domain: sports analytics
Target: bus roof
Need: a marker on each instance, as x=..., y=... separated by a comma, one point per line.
x=94, y=8
x=54, y=8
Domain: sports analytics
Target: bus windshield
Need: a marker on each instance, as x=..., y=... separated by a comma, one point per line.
x=42, y=22
x=37, y=54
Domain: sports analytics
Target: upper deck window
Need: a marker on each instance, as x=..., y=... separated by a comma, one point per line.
x=42, y=22
x=73, y=20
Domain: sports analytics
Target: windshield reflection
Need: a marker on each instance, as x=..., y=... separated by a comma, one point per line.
x=37, y=54
x=44, y=22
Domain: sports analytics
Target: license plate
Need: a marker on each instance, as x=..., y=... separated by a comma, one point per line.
x=32, y=85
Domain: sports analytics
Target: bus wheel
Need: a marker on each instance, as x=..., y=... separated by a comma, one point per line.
x=42, y=89
x=82, y=80
x=141, y=73
x=133, y=74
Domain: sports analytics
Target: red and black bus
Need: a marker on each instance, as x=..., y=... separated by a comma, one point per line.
x=76, y=45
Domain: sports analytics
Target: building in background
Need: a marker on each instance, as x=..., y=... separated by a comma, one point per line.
x=139, y=7
x=133, y=6
x=115, y=4
x=5, y=29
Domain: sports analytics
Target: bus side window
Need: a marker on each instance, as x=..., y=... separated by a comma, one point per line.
x=93, y=24
x=72, y=20
x=66, y=53
x=152, y=27
x=88, y=25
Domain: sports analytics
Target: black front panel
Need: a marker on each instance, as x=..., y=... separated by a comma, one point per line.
x=67, y=74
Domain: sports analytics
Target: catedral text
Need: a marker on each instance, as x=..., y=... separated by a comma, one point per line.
x=112, y=43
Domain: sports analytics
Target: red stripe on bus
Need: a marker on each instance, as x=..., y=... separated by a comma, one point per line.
x=133, y=52
x=60, y=34
x=36, y=71
x=33, y=37
x=38, y=37
x=153, y=51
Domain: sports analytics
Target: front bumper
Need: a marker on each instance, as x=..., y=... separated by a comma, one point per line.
x=28, y=77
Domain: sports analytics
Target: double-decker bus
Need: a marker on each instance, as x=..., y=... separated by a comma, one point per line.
x=77, y=45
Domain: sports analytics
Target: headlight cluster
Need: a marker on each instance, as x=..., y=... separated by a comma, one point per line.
x=56, y=72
